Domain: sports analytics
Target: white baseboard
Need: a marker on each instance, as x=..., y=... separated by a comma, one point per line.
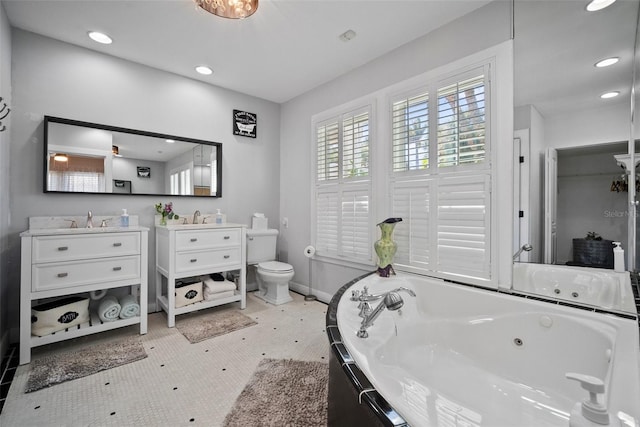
x=304, y=290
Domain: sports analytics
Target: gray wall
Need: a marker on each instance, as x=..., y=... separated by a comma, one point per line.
x=55, y=78
x=5, y=161
x=485, y=27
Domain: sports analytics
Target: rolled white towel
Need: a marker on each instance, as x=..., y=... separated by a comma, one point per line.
x=129, y=307
x=109, y=309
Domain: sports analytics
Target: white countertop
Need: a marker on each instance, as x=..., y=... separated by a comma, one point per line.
x=94, y=230
x=200, y=226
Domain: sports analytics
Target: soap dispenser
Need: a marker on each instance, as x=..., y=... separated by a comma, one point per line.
x=618, y=257
x=589, y=412
x=219, y=216
x=124, y=218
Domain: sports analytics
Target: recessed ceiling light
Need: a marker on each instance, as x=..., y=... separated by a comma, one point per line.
x=169, y=141
x=607, y=62
x=609, y=95
x=100, y=37
x=599, y=4
x=203, y=69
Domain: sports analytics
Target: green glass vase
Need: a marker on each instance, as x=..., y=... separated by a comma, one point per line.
x=385, y=247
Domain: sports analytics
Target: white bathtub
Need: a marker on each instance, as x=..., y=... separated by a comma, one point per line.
x=457, y=355
x=593, y=286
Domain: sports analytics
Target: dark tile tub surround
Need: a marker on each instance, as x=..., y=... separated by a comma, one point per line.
x=353, y=401
x=7, y=371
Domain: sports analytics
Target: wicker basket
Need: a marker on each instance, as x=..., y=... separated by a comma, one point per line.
x=595, y=253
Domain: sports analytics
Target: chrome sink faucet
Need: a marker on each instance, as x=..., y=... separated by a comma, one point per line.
x=196, y=214
x=392, y=301
x=89, y=220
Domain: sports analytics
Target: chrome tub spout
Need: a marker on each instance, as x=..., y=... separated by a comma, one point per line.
x=526, y=247
x=392, y=301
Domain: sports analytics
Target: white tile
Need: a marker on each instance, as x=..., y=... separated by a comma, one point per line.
x=198, y=384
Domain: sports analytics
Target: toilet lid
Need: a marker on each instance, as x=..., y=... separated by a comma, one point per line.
x=275, y=267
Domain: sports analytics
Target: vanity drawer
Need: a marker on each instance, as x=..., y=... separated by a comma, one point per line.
x=201, y=239
x=78, y=273
x=197, y=260
x=86, y=246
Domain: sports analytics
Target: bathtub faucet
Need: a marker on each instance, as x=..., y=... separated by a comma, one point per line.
x=526, y=247
x=392, y=301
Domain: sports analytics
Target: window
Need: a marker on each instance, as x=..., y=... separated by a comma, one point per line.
x=461, y=122
x=79, y=173
x=445, y=204
x=342, y=193
x=410, y=134
x=434, y=167
x=180, y=180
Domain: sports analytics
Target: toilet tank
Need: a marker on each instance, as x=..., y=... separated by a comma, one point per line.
x=261, y=245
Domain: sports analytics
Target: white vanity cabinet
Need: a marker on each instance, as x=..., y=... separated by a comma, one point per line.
x=62, y=262
x=196, y=250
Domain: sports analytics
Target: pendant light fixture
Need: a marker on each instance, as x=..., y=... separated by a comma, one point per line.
x=232, y=9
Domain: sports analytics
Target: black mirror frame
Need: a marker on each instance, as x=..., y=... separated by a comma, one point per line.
x=51, y=119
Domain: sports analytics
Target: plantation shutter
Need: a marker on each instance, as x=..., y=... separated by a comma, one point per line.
x=355, y=146
x=355, y=239
x=343, y=187
x=411, y=203
x=327, y=223
x=463, y=230
x=445, y=203
x=410, y=133
x=327, y=138
x=461, y=122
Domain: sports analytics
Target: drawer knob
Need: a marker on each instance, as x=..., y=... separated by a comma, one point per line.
x=226, y=256
x=63, y=248
x=194, y=260
x=117, y=268
x=116, y=244
x=63, y=274
x=226, y=237
x=194, y=239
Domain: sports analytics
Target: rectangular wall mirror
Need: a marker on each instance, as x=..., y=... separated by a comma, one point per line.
x=81, y=157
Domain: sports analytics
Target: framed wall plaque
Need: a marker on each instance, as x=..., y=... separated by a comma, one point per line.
x=144, y=172
x=245, y=124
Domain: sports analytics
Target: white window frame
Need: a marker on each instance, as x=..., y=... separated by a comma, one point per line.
x=499, y=161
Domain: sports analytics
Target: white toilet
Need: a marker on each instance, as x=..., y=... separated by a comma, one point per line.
x=272, y=276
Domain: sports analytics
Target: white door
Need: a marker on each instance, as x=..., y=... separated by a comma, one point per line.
x=550, y=205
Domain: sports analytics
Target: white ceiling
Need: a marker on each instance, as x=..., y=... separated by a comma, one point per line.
x=286, y=48
x=291, y=46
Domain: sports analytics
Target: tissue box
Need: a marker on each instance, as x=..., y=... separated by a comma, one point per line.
x=259, y=223
x=188, y=292
x=58, y=315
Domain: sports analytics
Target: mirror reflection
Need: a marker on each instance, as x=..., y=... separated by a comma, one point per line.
x=568, y=186
x=83, y=157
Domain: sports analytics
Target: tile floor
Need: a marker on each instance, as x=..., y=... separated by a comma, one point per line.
x=178, y=384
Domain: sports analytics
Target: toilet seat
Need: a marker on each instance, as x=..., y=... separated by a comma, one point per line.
x=275, y=267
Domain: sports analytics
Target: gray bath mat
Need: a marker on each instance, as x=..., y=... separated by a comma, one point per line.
x=207, y=324
x=71, y=365
x=283, y=393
